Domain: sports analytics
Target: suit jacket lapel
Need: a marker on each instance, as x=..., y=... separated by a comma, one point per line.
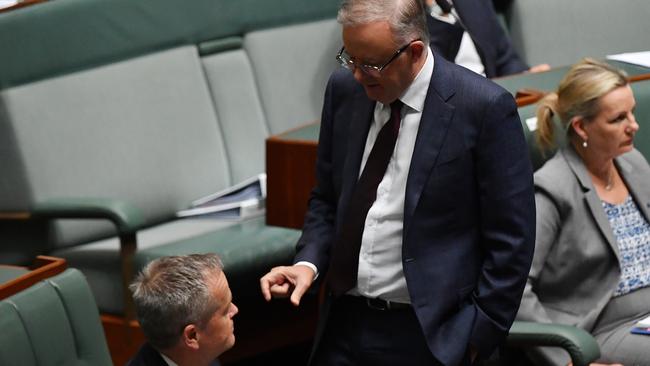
x=361, y=114
x=434, y=124
x=591, y=197
x=635, y=184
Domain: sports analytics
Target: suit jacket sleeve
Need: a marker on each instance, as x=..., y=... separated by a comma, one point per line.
x=498, y=54
x=507, y=62
x=507, y=59
x=507, y=209
x=319, y=227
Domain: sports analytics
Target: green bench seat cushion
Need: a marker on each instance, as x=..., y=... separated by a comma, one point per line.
x=248, y=249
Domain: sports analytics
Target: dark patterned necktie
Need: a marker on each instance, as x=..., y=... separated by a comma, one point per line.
x=344, y=264
x=445, y=6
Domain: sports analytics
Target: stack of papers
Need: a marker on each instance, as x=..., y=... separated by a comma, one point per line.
x=635, y=58
x=7, y=3
x=244, y=199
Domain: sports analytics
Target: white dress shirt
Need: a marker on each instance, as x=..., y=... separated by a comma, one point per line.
x=380, y=258
x=467, y=56
x=168, y=360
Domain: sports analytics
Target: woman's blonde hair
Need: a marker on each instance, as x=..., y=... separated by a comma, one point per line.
x=577, y=95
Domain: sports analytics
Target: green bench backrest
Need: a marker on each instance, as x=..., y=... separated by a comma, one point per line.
x=560, y=32
x=153, y=102
x=641, y=91
x=54, y=322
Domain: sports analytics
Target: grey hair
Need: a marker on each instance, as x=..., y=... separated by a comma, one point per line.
x=407, y=18
x=173, y=292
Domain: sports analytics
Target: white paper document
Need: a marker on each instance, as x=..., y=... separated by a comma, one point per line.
x=531, y=123
x=244, y=199
x=635, y=58
x=7, y=3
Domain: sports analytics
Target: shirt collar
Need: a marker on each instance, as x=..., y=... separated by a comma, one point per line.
x=168, y=360
x=416, y=93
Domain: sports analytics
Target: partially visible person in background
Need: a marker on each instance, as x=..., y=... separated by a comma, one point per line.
x=185, y=309
x=468, y=33
x=591, y=267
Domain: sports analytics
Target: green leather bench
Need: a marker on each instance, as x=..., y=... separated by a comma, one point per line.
x=54, y=322
x=132, y=110
x=548, y=81
x=561, y=32
x=116, y=114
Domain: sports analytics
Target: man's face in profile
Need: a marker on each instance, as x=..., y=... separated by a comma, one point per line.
x=218, y=334
x=373, y=44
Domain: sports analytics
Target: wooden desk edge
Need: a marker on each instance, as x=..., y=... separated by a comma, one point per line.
x=43, y=268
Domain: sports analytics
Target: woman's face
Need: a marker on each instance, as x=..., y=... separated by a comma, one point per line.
x=611, y=132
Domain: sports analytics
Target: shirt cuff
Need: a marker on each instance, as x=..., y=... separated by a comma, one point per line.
x=310, y=265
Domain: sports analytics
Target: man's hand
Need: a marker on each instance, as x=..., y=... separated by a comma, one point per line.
x=287, y=281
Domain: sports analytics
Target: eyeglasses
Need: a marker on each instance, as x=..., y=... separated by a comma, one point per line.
x=372, y=70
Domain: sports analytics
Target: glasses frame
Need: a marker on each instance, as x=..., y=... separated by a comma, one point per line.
x=371, y=70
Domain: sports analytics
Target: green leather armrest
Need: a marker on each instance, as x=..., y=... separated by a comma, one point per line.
x=581, y=345
x=126, y=217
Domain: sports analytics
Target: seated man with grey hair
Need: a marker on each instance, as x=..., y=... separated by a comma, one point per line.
x=185, y=309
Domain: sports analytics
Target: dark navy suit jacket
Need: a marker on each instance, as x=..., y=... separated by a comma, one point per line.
x=148, y=356
x=492, y=43
x=469, y=215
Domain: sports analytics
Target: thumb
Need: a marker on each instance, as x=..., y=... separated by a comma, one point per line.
x=297, y=293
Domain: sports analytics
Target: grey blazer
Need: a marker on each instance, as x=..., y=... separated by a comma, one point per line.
x=576, y=267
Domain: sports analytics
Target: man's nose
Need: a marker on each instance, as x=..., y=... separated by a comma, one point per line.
x=358, y=74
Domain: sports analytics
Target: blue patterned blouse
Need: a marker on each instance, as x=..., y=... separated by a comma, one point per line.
x=632, y=233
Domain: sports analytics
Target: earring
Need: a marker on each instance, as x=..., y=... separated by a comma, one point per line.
x=584, y=144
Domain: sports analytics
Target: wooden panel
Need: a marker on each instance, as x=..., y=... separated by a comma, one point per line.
x=43, y=267
x=527, y=96
x=290, y=171
x=123, y=338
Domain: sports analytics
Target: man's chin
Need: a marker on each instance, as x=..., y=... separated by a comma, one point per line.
x=231, y=342
x=374, y=92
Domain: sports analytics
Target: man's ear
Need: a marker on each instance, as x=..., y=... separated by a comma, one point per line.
x=578, y=125
x=190, y=337
x=417, y=50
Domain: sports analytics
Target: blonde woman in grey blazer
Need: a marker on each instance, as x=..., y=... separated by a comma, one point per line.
x=592, y=257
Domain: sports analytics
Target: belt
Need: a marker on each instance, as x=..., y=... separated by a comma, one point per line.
x=376, y=303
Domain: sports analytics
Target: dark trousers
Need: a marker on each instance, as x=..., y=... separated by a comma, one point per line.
x=356, y=334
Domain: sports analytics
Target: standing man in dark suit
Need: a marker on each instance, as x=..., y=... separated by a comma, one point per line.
x=185, y=309
x=468, y=33
x=422, y=220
